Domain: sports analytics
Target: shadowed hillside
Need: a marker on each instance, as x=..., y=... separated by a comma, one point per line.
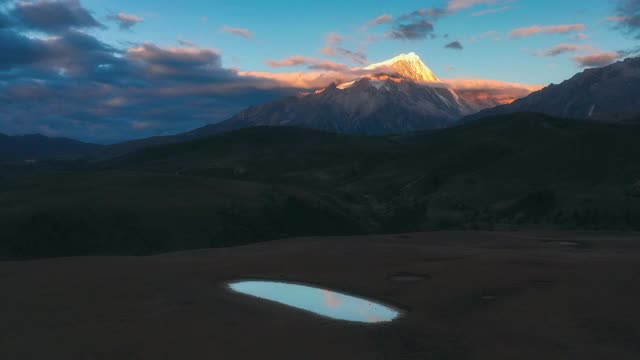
x=511, y=172
x=18, y=149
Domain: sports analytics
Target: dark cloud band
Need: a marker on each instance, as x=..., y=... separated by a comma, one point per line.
x=69, y=83
x=54, y=16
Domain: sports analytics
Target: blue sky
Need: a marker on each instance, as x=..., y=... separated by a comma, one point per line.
x=106, y=71
x=286, y=28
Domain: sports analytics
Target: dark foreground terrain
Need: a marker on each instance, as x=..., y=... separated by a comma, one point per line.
x=513, y=172
x=476, y=295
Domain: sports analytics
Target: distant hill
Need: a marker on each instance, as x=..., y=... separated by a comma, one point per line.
x=608, y=93
x=41, y=148
x=518, y=171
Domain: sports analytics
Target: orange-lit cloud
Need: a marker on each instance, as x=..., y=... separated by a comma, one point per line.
x=551, y=29
x=456, y=5
x=327, y=65
x=470, y=84
x=598, y=59
x=310, y=63
x=245, y=33
x=333, y=40
x=486, y=93
x=491, y=11
x=481, y=92
x=288, y=62
x=333, y=47
x=301, y=80
x=382, y=19
x=125, y=21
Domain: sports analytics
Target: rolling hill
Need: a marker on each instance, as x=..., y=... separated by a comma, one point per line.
x=42, y=148
x=516, y=171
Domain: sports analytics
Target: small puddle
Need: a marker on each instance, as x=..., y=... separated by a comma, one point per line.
x=318, y=301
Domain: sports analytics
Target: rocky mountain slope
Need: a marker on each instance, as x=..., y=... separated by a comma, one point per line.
x=608, y=93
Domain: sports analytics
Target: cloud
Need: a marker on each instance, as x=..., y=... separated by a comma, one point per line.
x=245, y=33
x=597, y=59
x=72, y=84
x=53, y=16
x=333, y=47
x=615, y=19
x=328, y=66
x=551, y=29
x=125, y=21
x=71, y=52
x=457, y=5
x=627, y=17
x=187, y=43
x=454, y=45
x=333, y=39
x=358, y=57
x=382, y=19
x=419, y=24
x=417, y=30
x=579, y=36
x=479, y=84
x=172, y=60
x=485, y=93
x=430, y=14
x=20, y=50
x=310, y=63
x=491, y=11
x=416, y=25
x=563, y=49
x=288, y=62
x=299, y=80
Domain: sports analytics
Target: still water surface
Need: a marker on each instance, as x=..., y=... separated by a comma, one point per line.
x=318, y=301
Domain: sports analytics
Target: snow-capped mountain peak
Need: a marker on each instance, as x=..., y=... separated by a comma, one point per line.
x=395, y=96
x=409, y=66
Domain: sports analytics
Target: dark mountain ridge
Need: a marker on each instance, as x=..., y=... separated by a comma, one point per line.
x=607, y=93
x=23, y=148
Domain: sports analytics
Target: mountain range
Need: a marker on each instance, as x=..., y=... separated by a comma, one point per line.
x=403, y=95
x=399, y=95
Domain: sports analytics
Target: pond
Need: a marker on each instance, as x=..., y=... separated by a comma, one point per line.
x=318, y=301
